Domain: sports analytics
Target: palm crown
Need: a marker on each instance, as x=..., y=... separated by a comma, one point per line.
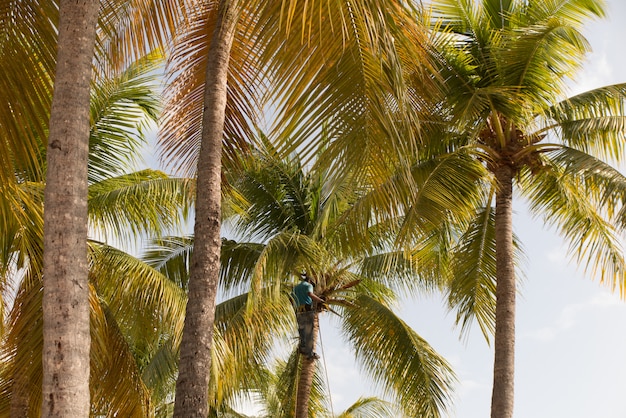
x=507, y=103
x=295, y=215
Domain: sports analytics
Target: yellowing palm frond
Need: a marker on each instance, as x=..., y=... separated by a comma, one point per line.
x=351, y=76
x=137, y=294
x=27, y=61
x=181, y=129
x=116, y=387
x=131, y=29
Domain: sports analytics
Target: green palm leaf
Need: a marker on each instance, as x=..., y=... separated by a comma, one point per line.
x=472, y=287
x=121, y=109
x=280, y=389
x=170, y=256
x=147, y=202
x=369, y=407
x=593, y=121
x=398, y=359
x=574, y=201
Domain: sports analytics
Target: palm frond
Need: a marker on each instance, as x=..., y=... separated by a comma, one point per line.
x=129, y=30
x=180, y=136
x=421, y=197
x=238, y=262
x=171, y=256
x=147, y=202
x=115, y=384
x=401, y=270
x=117, y=387
x=369, y=407
x=593, y=121
x=398, y=359
x=244, y=337
x=281, y=388
x=566, y=200
x=351, y=78
x=122, y=106
x=472, y=287
x=604, y=185
x=543, y=28
x=275, y=190
x=285, y=254
x=21, y=353
x=21, y=221
x=159, y=370
x=141, y=299
x=443, y=188
x=27, y=61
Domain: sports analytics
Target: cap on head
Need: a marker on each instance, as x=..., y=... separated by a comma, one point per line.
x=307, y=278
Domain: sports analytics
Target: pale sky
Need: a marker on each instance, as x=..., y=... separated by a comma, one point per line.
x=571, y=331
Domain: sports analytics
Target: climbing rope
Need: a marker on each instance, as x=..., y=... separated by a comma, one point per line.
x=330, y=396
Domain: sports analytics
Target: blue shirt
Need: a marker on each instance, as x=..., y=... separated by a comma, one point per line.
x=301, y=293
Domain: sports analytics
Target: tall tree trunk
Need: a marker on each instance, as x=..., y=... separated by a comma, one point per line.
x=504, y=343
x=307, y=371
x=65, y=387
x=195, y=351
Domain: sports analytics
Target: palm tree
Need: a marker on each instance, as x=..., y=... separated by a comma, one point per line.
x=211, y=103
x=506, y=111
x=294, y=216
x=122, y=205
x=195, y=353
x=66, y=290
x=244, y=335
x=30, y=52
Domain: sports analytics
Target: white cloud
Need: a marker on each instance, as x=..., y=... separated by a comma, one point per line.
x=558, y=255
x=468, y=387
x=597, y=73
x=606, y=299
x=542, y=334
x=570, y=315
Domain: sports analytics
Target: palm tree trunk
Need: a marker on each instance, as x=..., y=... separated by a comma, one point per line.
x=66, y=292
x=307, y=371
x=192, y=385
x=504, y=343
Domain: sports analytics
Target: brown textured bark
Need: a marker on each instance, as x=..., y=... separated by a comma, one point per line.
x=307, y=371
x=65, y=387
x=504, y=343
x=195, y=351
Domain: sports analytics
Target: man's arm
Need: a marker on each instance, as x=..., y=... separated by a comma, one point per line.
x=316, y=298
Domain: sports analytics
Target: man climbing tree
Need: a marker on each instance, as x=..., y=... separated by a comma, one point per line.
x=303, y=298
